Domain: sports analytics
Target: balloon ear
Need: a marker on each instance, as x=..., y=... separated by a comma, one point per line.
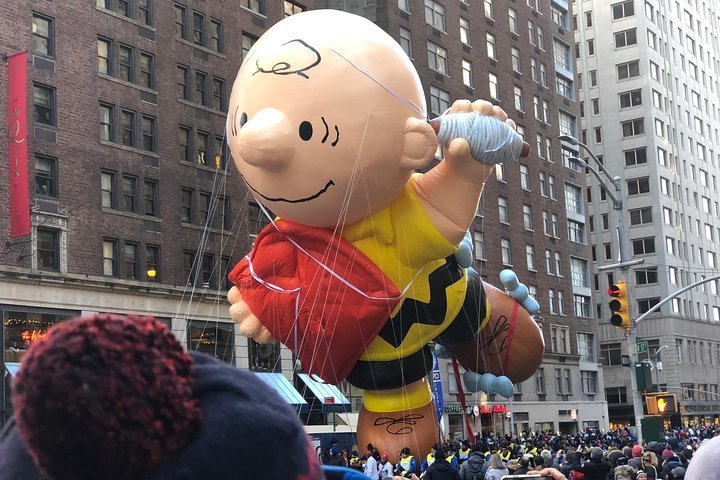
x=419, y=144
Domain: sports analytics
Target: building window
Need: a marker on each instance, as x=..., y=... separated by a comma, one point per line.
x=198, y=28
x=183, y=79
x=189, y=268
x=201, y=148
x=517, y=92
x=180, y=21
x=623, y=10
x=579, y=272
x=144, y=11
x=43, y=35
x=199, y=95
x=187, y=205
x=152, y=263
x=588, y=380
x=257, y=6
x=637, y=186
x=204, y=210
x=148, y=133
x=406, y=41
x=633, y=127
x=46, y=180
x=404, y=5
x=467, y=73
x=464, y=31
x=563, y=55
x=489, y=9
x=530, y=256
x=256, y=219
x=48, y=249
x=216, y=35
x=213, y=338
x=127, y=128
x=527, y=217
x=246, y=43
x=503, y=210
x=218, y=99
x=641, y=216
x=491, y=48
x=291, y=8
x=625, y=38
x=184, y=135
x=264, y=357
x=147, y=70
x=109, y=257
x=586, y=347
x=129, y=185
x=437, y=58
x=219, y=150
x=576, y=232
x=513, y=21
x=125, y=63
x=43, y=104
x=151, y=197
x=435, y=15
x=632, y=98
x=506, y=253
x=540, y=381
x=439, y=100
x=130, y=260
x=107, y=123
x=104, y=56
x=207, y=268
x=479, y=242
x=636, y=156
x=107, y=186
x=574, y=199
x=611, y=354
x=628, y=70
x=493, y=84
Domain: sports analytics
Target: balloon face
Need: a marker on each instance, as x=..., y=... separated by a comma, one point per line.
x=318, y=115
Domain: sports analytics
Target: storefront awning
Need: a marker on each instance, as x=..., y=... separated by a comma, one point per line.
x=331, y=398
x=285, y=389
x=12, y=368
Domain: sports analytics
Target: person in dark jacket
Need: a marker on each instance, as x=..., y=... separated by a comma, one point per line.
x=441, y=468
x=473, y=466
x=596, y=468
x=669, y=464
x=572, y=462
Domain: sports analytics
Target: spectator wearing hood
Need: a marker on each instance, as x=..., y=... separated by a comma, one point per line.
x=474, y=467
x=596, y=468
x=669, y=464
x=636, y=457
x=441, y=468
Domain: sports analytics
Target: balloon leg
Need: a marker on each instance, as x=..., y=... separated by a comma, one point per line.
x=394, y=419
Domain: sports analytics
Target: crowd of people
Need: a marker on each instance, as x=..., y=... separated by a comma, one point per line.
x=590, y=455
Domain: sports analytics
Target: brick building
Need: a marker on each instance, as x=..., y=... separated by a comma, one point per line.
x=127, y=100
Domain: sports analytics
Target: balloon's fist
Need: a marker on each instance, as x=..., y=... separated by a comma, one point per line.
x=249, y=324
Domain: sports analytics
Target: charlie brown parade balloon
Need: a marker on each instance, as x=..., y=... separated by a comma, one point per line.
x=327, y=125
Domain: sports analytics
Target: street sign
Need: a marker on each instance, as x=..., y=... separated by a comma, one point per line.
x=638, y=340
x=642, y=347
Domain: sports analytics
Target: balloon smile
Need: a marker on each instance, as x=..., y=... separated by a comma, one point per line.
x=288, y=200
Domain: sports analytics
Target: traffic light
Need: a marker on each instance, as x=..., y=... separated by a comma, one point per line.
x=664, y=404
x=619, y=306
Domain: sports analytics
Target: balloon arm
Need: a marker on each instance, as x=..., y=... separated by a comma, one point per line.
x=519, y=291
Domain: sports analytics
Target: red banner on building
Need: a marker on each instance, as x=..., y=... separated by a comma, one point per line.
x=18, y=145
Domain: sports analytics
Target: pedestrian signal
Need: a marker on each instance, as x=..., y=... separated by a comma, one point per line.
x=619, y=307
x=664, y=404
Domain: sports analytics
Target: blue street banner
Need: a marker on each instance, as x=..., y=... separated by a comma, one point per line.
x=437, y=388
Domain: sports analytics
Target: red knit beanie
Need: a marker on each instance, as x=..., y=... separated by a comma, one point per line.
x=105, y=397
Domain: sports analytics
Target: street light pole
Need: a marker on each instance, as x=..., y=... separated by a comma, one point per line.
x=624, y=266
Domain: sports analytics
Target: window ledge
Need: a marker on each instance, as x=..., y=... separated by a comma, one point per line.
x=203, y=167
x=257, y=14
x=201, y=107
x=129, y=149
x=126, y=83
x=127, y=19
x=203, y=229
x=130, y=214
x=200, y=47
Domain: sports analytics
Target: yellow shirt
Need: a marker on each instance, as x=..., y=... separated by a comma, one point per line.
x=405, y=244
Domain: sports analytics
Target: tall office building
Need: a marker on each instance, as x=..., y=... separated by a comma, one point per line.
x=648, y=83
x=531, y=218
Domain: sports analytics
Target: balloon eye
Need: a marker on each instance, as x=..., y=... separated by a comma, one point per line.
x=243, y=119
x=306, y=130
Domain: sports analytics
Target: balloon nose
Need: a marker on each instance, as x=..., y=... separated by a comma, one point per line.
x=266, y=140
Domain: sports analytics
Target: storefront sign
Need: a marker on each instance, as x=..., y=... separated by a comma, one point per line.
x=18, y=145
x=452, y=408
x=30, y=337
x=493, y=409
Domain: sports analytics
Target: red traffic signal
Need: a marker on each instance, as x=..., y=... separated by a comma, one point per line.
x=619, y=306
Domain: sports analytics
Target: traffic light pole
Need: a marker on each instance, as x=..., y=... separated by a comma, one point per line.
x=625, y=263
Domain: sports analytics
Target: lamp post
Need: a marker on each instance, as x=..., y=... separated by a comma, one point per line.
x=655, y=363
x=625, y=263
